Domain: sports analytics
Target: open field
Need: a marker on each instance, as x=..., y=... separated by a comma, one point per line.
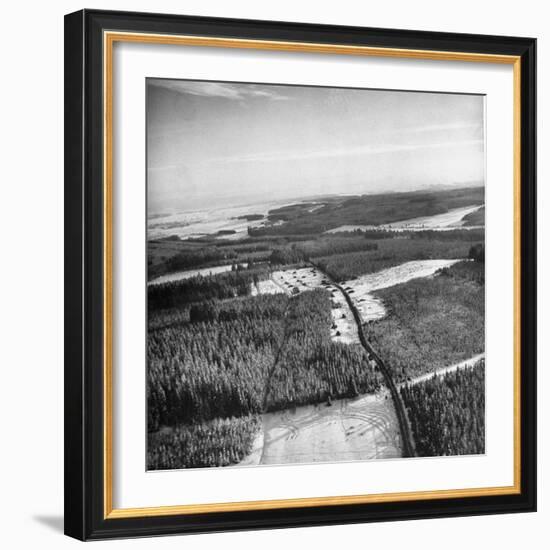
x=343, y=327
x=300, y=279
x=210, y=221
x=363, y=428
x=451, y=218
x=269, y=286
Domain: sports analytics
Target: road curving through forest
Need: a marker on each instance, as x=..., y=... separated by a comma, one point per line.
x=407, y=441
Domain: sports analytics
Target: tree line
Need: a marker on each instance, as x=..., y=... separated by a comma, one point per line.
x=202, y=288
x=188, y=259
x=303, y=251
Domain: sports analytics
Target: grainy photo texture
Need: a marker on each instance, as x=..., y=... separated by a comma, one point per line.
x=316, y=274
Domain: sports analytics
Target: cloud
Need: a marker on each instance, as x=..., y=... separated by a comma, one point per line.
x=279, y=156
x=442, y=127
x=220, y=89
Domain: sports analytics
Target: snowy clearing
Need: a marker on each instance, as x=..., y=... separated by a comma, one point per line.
x=448, y=221
x=266, y=287
x=363, y=428
x=187, y=274
x=360, y=289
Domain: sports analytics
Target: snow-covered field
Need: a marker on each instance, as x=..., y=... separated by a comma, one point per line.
x=360, y=289
x=452, y=219
x=305, y=278
x=178, y=275
x=266, y=287
x=204, y=222
x=208, y=221
x=363, y=428
x=343, y=327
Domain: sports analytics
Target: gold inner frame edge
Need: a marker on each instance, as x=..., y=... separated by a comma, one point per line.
x=109, y=39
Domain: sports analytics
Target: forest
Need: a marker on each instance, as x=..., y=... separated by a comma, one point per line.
x=247, y=355
x=310, y=367
x=220, y=442
x=214, y=368
x=431, y=322
x=447, y=413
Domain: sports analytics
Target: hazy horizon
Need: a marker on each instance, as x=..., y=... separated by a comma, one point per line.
x=247, y=202
x=212, y=144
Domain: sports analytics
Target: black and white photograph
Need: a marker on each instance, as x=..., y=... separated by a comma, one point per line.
x=315, y=274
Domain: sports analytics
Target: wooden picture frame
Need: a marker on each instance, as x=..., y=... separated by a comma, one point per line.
x=89, y=39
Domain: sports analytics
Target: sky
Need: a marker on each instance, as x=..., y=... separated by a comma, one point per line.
x=215, y=144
